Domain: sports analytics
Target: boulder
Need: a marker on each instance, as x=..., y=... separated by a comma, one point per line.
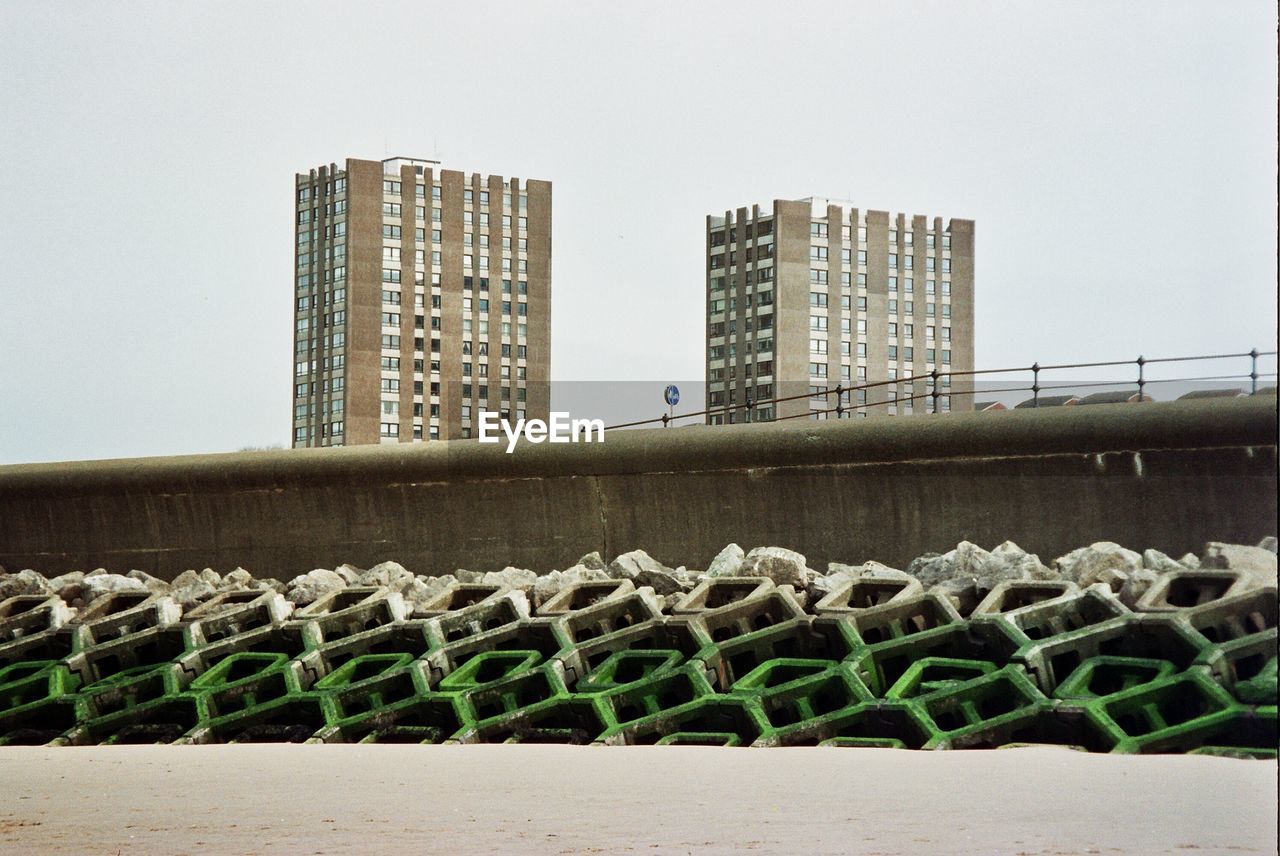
x=661, y=582
x=69, y=587
x=628, y=565
x=23, y=582
x=96, y=585
x=155, y=585
x=309, y=587
x=984, y=570
x=783, y=566
x=237, y=580
x=350, y=574
x=417, y=593
x=593, y=561
x=189, y=588
x=211, y=576
x=965, y=562
x=1270, y=544
x=727, y=563
x=582, y=573
x=1010, y=562
x=687, y=579
x=547, y=587
x=384, y=574
x=518, y=578
x=462, y=575
x=1190, y=560
x=1258, y=564
x=1154, y=560
x=1083, y=566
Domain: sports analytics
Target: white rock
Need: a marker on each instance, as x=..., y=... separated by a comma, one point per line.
x=383, y=574
x=727, y=562
x=1083, y=566
x=309, y=587
x=628, y=565
x=237, y=580
x=547, y=587
x=593, y=561
x=97, y=585
x=24, y=582
x=192, y=593
x=349, y=574
x=515, y=577
x=1154, y=560
x=783, y=566
x=1258, y=564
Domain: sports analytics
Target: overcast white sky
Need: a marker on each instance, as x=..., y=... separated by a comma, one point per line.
x=1119, y=159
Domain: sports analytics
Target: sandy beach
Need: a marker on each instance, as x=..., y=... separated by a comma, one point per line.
x=563, y=799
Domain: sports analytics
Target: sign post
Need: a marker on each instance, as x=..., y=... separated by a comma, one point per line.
x=671, y=395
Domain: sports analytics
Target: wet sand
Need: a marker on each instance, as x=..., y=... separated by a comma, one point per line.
x=563, y=799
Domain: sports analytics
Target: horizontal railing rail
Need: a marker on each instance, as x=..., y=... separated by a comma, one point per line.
x=937, y=388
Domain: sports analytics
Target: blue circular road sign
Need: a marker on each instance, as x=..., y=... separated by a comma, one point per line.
x=671, y=394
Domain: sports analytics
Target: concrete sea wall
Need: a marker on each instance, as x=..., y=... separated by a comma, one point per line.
x=1165, y=475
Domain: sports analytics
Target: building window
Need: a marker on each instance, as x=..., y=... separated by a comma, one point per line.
x=893, y=260
x=390, y=429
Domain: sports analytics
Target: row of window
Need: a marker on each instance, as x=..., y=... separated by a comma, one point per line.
x=331, y=209
x=818, y=229
x=391, y=342
x=332, y=232
x=337, y=185
x=330, y=363
x=392, y=187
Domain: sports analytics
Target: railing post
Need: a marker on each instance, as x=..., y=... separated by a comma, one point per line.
x=1253, y=372
x=933, y=380
x=839, y=400
x=1035, y=384
x=1142, y=383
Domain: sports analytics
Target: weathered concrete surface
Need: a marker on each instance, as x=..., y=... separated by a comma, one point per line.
x=556, y=799
x=1168, y=476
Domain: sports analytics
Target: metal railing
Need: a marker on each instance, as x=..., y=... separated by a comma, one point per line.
x=937, y=388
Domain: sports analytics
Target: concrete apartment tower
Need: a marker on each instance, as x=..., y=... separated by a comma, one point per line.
x=813, y=294
x=422, y=298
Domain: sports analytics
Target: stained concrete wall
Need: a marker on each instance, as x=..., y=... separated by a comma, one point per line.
x=1164, y=475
